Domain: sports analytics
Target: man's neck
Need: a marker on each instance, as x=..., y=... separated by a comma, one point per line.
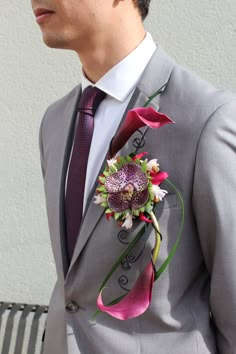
x=99, y=57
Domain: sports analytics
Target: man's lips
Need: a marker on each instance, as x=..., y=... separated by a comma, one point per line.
x=42, y=14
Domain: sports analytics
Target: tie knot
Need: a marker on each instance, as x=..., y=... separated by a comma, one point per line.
x=90, y=100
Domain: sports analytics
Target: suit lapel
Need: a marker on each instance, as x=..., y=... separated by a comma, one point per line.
x=157, y=73
x=69, y=117
x=155, y=76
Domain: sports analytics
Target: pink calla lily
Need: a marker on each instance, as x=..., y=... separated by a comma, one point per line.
x=136, y=302
x=136, y=119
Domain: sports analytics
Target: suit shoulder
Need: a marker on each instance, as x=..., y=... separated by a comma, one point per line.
x=191, y=102
x=191, y=90
x=54, y=110
x=59, y=104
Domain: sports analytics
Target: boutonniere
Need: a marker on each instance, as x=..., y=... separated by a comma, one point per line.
x=129, y=188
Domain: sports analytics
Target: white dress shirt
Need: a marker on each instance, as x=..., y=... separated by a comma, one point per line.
x=119, y=84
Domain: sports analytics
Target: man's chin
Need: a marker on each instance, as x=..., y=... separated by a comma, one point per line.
x=53, y=41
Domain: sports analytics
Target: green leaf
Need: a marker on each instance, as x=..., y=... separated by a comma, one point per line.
x=102, y=179
x=151, y=195
x=149, y=207
x=121, y=160
x=144, y=167
x=112, y=169
x=135, y=212
x=117, y=215
x=118, y=165
x=101, y=189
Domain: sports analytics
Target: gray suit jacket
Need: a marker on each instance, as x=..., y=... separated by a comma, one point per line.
x=193, y=307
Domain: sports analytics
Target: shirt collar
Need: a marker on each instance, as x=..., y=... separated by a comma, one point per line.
x=120, y=80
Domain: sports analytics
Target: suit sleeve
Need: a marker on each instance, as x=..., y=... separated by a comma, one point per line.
x=41, y=147
x=214, y=202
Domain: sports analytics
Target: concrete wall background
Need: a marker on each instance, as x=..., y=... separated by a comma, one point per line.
x=198, y=34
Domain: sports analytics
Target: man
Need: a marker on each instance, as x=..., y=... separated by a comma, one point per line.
x=193, y=304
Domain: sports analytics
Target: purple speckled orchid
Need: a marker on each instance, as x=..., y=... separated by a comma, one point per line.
x=127, y=188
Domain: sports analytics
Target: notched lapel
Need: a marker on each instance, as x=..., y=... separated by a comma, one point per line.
x=57, y=128
x=70, y=113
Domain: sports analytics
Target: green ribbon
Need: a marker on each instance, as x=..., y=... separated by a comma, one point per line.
x=174, y=248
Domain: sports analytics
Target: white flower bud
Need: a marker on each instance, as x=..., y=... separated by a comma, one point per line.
x=111, y=162
x=128, y=223
x=99, y=199
x=159, y=193
x=153, y=166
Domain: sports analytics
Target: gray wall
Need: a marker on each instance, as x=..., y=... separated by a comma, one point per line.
x=198, y=34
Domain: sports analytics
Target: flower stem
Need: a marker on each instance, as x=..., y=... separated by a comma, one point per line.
x=174, y=248
x=158, y=92
x=157, y=246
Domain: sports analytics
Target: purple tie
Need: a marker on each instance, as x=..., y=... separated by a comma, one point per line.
x=89, y=102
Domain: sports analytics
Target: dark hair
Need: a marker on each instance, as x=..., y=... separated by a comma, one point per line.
x=143, y=6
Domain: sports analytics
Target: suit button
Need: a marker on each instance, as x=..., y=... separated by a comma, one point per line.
x=71, y=306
